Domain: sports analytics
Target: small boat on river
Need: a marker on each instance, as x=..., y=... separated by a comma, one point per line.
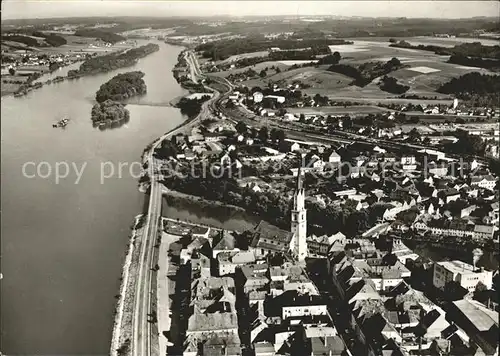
x=61, y=123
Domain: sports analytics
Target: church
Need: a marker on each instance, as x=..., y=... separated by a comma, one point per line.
x=267, y=238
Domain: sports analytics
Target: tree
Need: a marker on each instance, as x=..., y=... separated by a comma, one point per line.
x=278, y=70
x=347, y=123
x=277, y=135
x=414, y=135
x=12, y=71
x=262, y=74
x=302, y=118
x=263, y=134
x=241, y=127
x=336, y=56
x=394, y=62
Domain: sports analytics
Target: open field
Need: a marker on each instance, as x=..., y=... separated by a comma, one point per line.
x=366, y=100
x=337, y=110
x=315, y=77
x=449, y=42
x=425, y=74
x=438, y=73
x=292, y=62
x=423, y=70
x=237, y=57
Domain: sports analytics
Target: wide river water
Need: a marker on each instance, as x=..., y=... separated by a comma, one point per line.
x=63, y=242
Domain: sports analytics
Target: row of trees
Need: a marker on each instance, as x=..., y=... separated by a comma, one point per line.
x=472, y=83
x=273, y=205
x=474, y=62
x=112, y=61
x=191, y=107
x=366, y=72
x=223, y=49
x=105, y=36
x=391, y=85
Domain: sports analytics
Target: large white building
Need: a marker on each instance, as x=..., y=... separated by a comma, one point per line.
x=486, y=182
x=462, y=273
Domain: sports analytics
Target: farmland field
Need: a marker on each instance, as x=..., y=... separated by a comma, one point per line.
x=424, y=74
x=237, y=57
x=337, y=110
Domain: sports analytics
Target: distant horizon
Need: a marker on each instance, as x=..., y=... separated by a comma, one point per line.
x=233, y=17
x=65, y=9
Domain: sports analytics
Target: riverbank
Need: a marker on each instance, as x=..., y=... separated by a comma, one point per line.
x=122, y=326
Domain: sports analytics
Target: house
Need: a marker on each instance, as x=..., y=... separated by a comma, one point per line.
x=333, y=157
x=213, y=137
x=438, y=170
x=479, y=322
x=254, y=276
x=200, y=231
x=228, y=261
x=449, y=195
x=264, y=348
x=223, y=242
x=486, y=182
x=279, y=99
x=433, y=154
x=320, y=245
x=268, y=239
x=483, y=231
x=257, y=97
x=408, y=163
x=294, y=147
x=466, y=275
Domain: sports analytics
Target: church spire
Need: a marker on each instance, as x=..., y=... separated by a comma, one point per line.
x=299, y=220
x=299, y=180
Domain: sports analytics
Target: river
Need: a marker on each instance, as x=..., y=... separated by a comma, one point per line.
x=63, y=242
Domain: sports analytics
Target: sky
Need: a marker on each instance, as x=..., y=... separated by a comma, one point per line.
x=18, y=9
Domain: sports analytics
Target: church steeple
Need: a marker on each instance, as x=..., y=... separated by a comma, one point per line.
x=299, y=220
x=299, y=180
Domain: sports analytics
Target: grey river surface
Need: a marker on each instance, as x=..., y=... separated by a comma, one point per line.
x=63, y=243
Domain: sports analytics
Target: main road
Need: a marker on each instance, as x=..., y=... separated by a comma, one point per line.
x=142, y=330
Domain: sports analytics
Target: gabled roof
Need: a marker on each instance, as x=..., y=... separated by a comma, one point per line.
x=224, y=241
x=483, y=318
x=271, y=237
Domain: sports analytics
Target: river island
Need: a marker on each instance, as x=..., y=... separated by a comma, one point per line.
x=109, y=109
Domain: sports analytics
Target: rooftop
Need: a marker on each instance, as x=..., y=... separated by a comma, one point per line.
x=254, y=270
x=214, y=321
x=203, y=286
x=320, y=331
x=236, y=257
x=323, y=346
x=482, y=317
x=291, y=271
x=457, y=266
x=224, y=241
x=271, y=237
